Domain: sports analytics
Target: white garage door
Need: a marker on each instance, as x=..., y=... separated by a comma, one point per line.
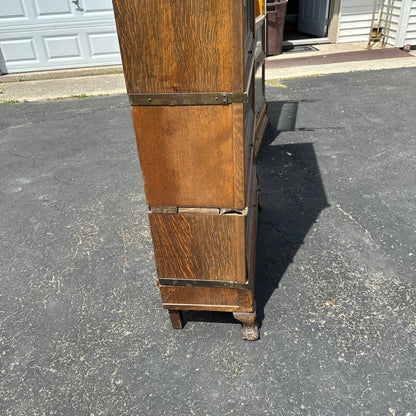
x=52, y=34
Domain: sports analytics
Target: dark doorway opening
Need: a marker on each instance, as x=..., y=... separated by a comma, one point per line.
x=306, y=21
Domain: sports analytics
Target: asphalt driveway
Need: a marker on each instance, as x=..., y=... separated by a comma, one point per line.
x=82, y=330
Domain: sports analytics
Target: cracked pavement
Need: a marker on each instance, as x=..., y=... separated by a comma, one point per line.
x=82, y=329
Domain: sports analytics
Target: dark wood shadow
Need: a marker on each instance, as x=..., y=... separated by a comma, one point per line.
x=292, y=197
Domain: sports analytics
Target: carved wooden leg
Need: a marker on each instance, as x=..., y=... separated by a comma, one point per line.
x=250, y=328
x=176, y=319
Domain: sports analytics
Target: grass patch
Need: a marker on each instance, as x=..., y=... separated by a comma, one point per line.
x=77, y=96
x=9, y=101
x=276, y=84
x=69, y=97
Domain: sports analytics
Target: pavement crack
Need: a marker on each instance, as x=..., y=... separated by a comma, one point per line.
x=355, y=221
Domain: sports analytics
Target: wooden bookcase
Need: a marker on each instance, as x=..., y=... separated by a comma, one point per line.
x=195, y=78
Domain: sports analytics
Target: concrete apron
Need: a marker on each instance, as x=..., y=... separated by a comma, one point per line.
x=337, y=58
x=86, y=82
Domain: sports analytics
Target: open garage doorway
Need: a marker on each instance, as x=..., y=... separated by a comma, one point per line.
x=311, y=21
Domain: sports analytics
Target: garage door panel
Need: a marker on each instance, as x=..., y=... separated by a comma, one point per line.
x=61, y=47
x=103, y=44
x=19, y=50
x=14, y=12
x=50, y=8
x=12, y=8
x=97, y=6
x=35, y=12
x=52, y=34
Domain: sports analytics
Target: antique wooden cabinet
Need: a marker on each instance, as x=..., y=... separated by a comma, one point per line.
x=195, y=79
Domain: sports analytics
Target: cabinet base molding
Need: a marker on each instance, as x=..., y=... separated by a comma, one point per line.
x=207, y=299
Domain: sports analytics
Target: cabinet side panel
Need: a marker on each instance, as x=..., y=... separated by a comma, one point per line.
x=239, y=156
x=259, y=7
x=237, y=47
x=206, y=299
x=251, y=230
x=176, y=46
x=203, y=247
x=186, y=155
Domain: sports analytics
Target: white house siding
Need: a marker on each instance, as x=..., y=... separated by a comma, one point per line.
x=392, y=29
x=410, y=37
x=355, y=20
x=56, y=34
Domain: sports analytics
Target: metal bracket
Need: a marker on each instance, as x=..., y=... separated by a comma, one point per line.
x=218, y=98
x=196, y=211
x=204, y=283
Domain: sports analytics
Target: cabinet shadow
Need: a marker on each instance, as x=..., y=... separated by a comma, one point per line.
x=292, y=196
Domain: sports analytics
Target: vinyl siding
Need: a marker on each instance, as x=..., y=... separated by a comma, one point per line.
x=356, y=16
x=392, y=28
x=355, y=20
x=411, y=26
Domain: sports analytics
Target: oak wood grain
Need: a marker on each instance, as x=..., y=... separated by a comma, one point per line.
x=237, y=49
x=170, y=46
x=188, y=156
x=208, y=299
x=197, y=161
x=240, y=156
x=259, y=7
x=206, y=247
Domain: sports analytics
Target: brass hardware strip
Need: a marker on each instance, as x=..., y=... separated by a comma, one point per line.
x=203, y=211
x=233, y=211
x=204, y=283
x=217, y=98
x=163, y=210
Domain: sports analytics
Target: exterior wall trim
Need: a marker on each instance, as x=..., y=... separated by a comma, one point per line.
x=403, y=23
x=333, y=26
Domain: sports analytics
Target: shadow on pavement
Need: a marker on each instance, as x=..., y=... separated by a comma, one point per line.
x=292, y=197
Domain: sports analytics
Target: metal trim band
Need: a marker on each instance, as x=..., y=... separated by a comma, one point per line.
x=218, y=98
x=202, y=211
x=204, y=283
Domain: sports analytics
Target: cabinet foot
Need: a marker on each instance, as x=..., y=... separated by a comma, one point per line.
x=250, y=328
x=176, y=319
